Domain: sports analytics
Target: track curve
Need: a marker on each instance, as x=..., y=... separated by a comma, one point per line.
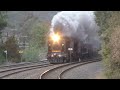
x=56, y=73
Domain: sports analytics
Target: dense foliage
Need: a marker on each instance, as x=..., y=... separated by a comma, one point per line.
x=12, y=49
x=3, y=23
x=37, y=47
x=109, y=22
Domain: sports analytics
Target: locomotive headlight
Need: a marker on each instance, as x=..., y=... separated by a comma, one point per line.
x=56, y=37
x=60, y=55
x=52, y=55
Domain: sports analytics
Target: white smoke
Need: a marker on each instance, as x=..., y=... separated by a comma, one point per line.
x=78, y=24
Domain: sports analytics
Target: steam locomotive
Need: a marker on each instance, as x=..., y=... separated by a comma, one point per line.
x=64, y=49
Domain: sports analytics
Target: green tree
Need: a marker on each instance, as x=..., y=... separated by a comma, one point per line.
x=101, y=19
x=38, y=35
x=37, y=49
x=13, y=50
x=2, y=57
x=109, y=22
x=3, y=23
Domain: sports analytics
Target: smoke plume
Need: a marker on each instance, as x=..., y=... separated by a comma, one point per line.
x=77, y=24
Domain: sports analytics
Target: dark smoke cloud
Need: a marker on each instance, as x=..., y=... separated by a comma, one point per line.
x=78, y=24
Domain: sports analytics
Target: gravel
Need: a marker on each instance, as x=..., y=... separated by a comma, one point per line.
x=54, y=74
x=88, y=71
x=31, y=74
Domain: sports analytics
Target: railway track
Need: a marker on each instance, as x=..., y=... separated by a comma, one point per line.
x=56, y=73
x=22, y=64
x=8, y=72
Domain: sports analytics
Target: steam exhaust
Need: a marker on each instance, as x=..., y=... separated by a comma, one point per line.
x=77, y=24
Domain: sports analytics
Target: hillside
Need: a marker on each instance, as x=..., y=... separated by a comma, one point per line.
x=21, y=22
x=17, y=17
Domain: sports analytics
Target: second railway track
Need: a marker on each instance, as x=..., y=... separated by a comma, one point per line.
x=52, y=72
x=57, y=72
x=15, y=70
x=22, y=64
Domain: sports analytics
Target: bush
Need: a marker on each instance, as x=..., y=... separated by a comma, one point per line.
x=31, y=54
x=43, y=53
x=34, y=54
x=12, y=49
x=2, y=54
x=2, y=58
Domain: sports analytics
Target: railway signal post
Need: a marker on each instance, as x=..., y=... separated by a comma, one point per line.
x=70, y=49
x=21, y=52
x=6, y=55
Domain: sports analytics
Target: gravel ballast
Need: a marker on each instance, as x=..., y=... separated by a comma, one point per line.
x=88, y=71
